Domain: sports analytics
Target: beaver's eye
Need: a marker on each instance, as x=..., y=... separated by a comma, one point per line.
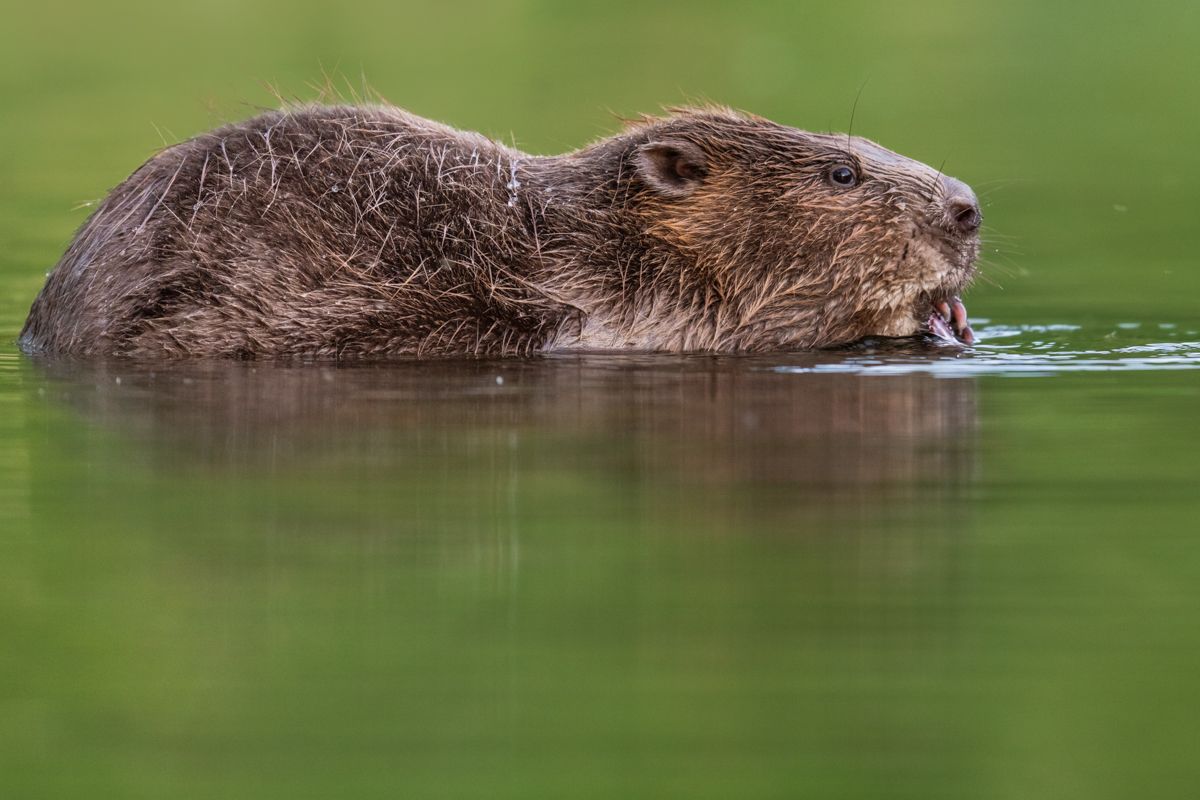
x=843, y=176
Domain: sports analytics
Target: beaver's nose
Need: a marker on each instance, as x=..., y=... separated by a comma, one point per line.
x=961, y=205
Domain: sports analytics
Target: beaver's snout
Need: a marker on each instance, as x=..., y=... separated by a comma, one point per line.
x=962, y=214
x=957, y=219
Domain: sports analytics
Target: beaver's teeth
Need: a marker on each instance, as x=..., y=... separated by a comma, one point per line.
x=943, y=308
x=959, y=312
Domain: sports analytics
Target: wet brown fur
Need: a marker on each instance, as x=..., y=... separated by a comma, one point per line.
x=344, y=231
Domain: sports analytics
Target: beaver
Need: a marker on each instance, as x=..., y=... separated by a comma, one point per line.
x=331, y=232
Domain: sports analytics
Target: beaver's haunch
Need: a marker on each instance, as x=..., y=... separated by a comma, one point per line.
x=338, y=232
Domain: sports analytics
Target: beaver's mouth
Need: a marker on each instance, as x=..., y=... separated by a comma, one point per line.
x=948, y=321
x=940, y=308
x=945, y=266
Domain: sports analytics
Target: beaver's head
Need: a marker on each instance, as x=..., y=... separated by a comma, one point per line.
x=802, y=239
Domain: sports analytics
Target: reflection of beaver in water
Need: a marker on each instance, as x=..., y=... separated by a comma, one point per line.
x=343, y=231
x=714, y=421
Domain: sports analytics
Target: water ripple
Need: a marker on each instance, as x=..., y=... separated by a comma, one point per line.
x=1027, y=351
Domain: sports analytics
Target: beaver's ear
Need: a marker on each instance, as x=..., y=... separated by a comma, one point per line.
x=672, y=168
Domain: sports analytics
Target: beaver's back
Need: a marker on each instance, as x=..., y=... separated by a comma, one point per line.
x=316, y=232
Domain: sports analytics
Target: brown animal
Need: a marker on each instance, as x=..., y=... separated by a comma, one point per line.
x=336, y=232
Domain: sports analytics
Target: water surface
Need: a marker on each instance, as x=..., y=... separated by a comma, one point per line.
x=891, y=571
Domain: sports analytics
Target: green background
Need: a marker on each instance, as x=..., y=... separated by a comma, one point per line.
x=642, y=577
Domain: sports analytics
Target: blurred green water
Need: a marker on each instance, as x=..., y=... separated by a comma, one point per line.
x=644, y=577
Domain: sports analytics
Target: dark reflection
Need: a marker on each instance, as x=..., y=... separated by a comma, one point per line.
x=715, y=421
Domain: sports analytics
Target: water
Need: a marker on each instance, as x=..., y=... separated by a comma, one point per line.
x=1020, y=351
x=894, y=571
